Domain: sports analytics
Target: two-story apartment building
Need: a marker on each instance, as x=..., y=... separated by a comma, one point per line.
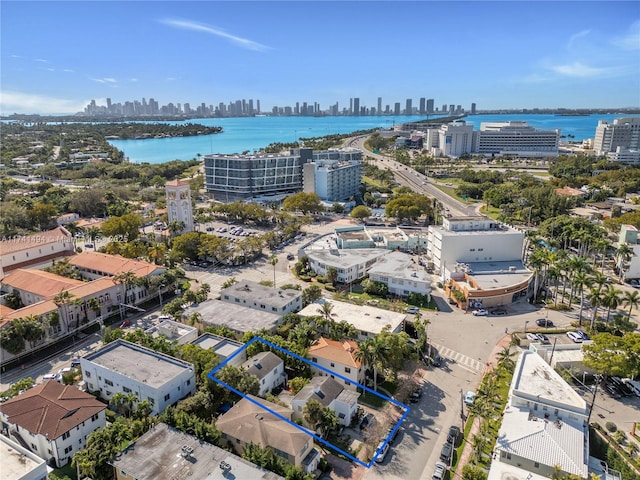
x=337, y=358
x=19, y=463
x=124, y=367
x=52, y=420
x=329, y=393
x=248, y=422
x=260, y=297
x=269, y=369
x=401, y=275
x=351, y=265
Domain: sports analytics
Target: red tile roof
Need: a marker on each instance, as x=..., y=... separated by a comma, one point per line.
x=113, y=264
x=38, y=282
x=176, y=183
x=51, y=409
x=18, y=244
x=341, y=352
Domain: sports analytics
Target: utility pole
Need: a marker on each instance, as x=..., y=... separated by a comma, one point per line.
x=593, y=399
x=461, y=411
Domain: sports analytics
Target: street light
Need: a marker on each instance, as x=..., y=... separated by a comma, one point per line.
x=525, y=326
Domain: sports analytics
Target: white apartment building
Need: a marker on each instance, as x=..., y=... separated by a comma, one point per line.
x=124, y=367
x=623, y=132
x=334, y=175
x=330, y=394
x=337, y=358
x=351, y=265
x=19, y=463
x=516, y=138
x=544, y=425
x=624, y=155
x=401, y=275
x=260, y=297
x=52, y=421
x=223, y=347
x=178, y=196
x=230, y=178
x=629, y=236
x=269, y=369
x=454, y=139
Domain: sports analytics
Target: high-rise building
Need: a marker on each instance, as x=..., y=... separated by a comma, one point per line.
x=516, y=138
x=473, y=109
x=257, y=106
x=379, y=105
x=623, y=132
x=396, y=110
x=408, y=110
x=356, y=106
x=430, y=103
x=444, y=108
x=422, y=110
x=335, y=175
x=455, y=139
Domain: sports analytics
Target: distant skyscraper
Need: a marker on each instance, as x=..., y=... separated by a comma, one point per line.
x=109, y=104
x=444, y=108
x=356, y=106
x=473, y=109
x=351, y=106
x=422, y=106
x=408, y=108
x=257, y=106
x=430, y=105
x=452, y=108
x=379, y=105
x=396, y=110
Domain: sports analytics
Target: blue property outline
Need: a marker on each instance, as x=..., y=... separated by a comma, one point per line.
x=379, y=449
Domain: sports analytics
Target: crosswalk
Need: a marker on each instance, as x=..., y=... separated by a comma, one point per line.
x=460, y=359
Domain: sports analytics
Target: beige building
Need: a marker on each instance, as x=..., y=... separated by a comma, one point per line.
x=35, y=250
x=179, y=203
x=337, y=358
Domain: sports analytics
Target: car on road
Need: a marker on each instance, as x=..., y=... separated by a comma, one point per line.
x=209, y=229
x=413, y=310
x=164, y=317
x=50, y=376
x=439, y=471
x=88, y=245
x=543, y=338
x=290, y=256
x=368, y=420
x=383, y=448
x=577, y=338
x=454, y=433
x=533, y=337
x=469, y=398
x=445, y=453
x=75, y=362
x=543, y=322
x=481, y=312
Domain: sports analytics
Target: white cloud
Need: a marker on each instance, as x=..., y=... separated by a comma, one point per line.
x=576, y=37
x=51, y=69
x=41, y=60
x=133, y=79
x=105, y=80
x=68, y=70
x=20, y=102
x=630, y=40
x=199, y=27
x=578, y=69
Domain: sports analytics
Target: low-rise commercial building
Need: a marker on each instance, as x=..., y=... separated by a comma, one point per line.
x=351, y=265
x=238, y=318
x=164, y=453
x=52, y=420
x=124, y=367
x=260, y=297
x=174, y=332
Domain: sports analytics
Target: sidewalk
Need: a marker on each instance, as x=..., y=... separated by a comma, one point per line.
x=467, y=451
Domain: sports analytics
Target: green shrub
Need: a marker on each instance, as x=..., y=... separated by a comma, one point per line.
x=329, y=287
x=610, y=426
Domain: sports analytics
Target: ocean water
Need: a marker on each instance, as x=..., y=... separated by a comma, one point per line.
x=247, y=134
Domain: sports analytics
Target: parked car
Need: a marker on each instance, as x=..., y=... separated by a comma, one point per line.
x=577, y=338
x=454, y=432
x=416, y=395
x=75, y=362
x=290, y=256
x=439, y=471
x=543, y=338
x=88, y=245
x=209, y=229
x=543, y=322
x=50, y=376
x=533, y=337
x=584, y=335
x=164, y=317
x=469, y=398
x=481, y=312
x=413, y=310
x=383, y=448
x=445, y=453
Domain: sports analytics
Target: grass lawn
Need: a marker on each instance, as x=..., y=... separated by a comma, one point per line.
x=66, y=471
x=372, y=400
x=452, y=192
x=492, y=212
x=371, y=181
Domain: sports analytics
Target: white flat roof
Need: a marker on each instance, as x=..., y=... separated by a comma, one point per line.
x=18, y=462
x=224, y=347
x=255, y=292
x=363, y=317
x=236, y=317
x=399, y=265
x=138, y=363
x=346, y=258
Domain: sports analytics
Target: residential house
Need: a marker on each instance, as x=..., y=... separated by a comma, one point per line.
x=269, y=368
x=249, y=422
x=544, y=425
x=337, y=358
x=260, y=297
x=124, y=367
x=52, y=420
x=329, y=393
x=164, y=453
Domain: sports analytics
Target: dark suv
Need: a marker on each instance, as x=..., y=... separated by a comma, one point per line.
x=445, y=453
x=452, y=437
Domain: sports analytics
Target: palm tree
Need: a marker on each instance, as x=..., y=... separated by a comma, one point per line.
x=611, y=299
x=63, y=299
x=580, y=281
x=326, y=312
x=93, y=234
x=623, y=255
x=631, y=300
x=505, y=359
x=371, y=353
x=595, y=299
x=273, y=260
x=175, y=227
x=126, y=280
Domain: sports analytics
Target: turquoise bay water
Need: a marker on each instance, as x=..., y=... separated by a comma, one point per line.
x=252, y=133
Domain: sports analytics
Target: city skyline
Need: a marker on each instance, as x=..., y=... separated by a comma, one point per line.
x=499, y=55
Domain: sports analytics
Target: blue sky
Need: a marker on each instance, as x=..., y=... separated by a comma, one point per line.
x=57, y=56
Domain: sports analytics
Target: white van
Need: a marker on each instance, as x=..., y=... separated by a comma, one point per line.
x=383, y=451
x=633, y=385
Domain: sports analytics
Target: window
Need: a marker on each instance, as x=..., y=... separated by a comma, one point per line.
x=347, y=369
x=152, y=401
x=167, y=397
x=333, y=364
x=65, y=435
x=108, y=382
x=126, y=389
x=536, y=464
x=314, y=359
x=108, y=393
x=33, y=447
x=189, y=382
x=68, y=449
